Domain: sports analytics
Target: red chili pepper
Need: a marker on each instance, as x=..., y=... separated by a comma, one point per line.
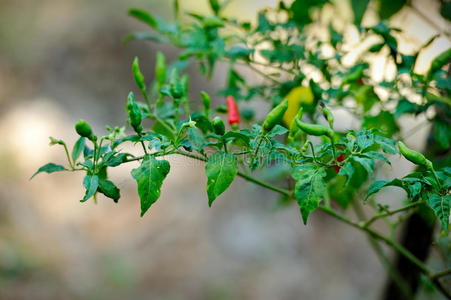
x=232, y=108
x=340, y=158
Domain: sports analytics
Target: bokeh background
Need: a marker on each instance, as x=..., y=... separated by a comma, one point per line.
x=62, y=60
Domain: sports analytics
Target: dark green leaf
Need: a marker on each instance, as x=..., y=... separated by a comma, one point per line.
x=49, y=168
x=220, y=169
x=143, y=16
x=387, y=8
x=149, y=177
x=78, y=148
x=359, y=8
x=110, y=190
x=91, y=183
x=441, y=205
x=310, y=187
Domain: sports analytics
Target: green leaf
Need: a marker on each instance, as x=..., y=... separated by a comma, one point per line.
x=220, y=169
x=359, y=8
x=310, y=187
x=78, y=148
x=214, y=5
x=387, y=145
x=110, y=190
x=377, y=155
x=91, y=183
x=379, y=184
x=441, y=206
x=367, y=163
x=149, y=177
x=144, y=36
x=195, y=137
x=277, y=130
x=387, y=8
x=348, y=170
x=365, y=139
x=445, y=10
x=143, y=16
x=49, y=168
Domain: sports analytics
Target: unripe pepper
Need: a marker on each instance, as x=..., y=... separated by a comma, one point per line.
x=294, y=129
x=218, y=126
x=160, y=69
x=412, y=155
x=328, y=115
x=134, y=113
x=314, y=129
x=274, y=116
x=83, y=129
x=232, y=111
x=206, y=103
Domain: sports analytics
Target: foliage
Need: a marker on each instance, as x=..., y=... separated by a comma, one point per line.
x=295, y=61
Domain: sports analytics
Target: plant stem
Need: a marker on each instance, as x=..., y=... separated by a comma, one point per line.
x=391, y=212
x=68, y=156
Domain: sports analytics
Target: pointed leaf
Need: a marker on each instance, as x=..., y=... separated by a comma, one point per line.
x=220, y=169
x=149, y=177
x=91, y=183
x=441, y=206
x=78, y=148
x=310, y=187
x=49, y=168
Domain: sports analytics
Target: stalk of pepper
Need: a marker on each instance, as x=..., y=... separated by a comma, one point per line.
x=233, y=113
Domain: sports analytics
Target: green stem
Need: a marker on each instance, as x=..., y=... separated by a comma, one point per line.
x=391, y=212
x=68, y=156
x=440, y=274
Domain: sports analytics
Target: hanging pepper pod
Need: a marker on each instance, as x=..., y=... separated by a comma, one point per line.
x=274, y=116
x=206, y=103
x=328, y=115
x=134, y=113
x=218, y=125
x=232, y=112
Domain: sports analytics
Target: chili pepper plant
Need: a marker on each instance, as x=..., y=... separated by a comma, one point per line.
x=305, y=80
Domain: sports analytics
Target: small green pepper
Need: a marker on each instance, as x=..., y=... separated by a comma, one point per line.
x=160, y=69
x=315, y=129
x=84, y=130
x=328, y=115
x=274, y=116
x=218, y=125
x=206, y=102
x=412, y=155
x=138, y=76
x=134, y=113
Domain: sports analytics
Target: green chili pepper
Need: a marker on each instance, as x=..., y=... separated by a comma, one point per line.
x=218, y=125
x=134, y=113
x=84, y=130
x=206, y=102
x=328, y=115
x=175, y=85
x=412, y=155
x=138, y=76
x=438, y=62
x=315, y=129
x=294, y=129
x=274, y=116
x=160, y=69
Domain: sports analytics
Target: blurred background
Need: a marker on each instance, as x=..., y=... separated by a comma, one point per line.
x=62, y=60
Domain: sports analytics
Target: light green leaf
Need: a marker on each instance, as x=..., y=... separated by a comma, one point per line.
x=387, y=145
x=220, y=169
x=49, y=168
x=149, y=177
x=310, y=187
x=441, y=206
x=91, y=183
x=143, y=16
x=78, y=148
x=367, y=163
x=377, y=155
